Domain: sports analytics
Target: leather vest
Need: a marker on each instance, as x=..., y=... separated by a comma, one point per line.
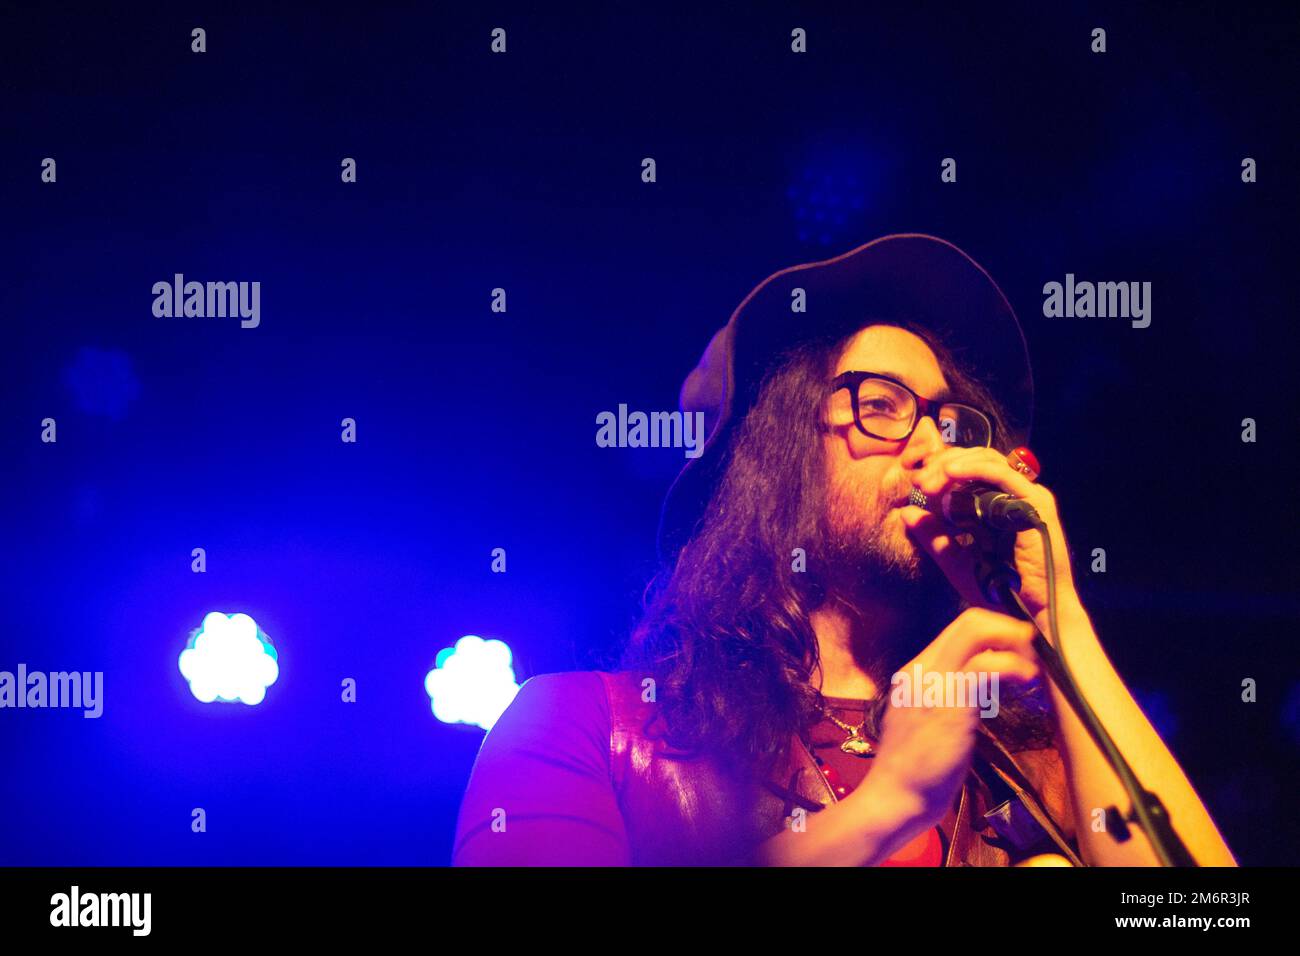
x=683, y=809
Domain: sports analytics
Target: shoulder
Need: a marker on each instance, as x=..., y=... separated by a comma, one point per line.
x=574, y=716
x=573, y=707
x=577, y=692
x=550, y=702
x=547, y=761
x=556, y=727
x=556, y=691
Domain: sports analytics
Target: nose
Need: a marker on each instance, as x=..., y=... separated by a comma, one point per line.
x=924, y=442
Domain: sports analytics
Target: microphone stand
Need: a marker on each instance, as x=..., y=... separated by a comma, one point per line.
x=999, y=582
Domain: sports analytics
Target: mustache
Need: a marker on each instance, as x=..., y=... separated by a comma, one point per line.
x=899, y=494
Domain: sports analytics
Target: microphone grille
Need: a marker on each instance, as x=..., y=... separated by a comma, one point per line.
x=918, y=498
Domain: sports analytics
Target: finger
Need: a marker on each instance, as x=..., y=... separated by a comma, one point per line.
x=951, y=465
x=930, y=476
x=978, y=622
x=980, y=629
x=1009, y=666
x=996, y=472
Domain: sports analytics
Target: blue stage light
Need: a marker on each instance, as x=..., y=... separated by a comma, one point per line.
x=472, y=683
x=228, y=659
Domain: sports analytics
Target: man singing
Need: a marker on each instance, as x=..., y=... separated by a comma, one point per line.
x=756, y=718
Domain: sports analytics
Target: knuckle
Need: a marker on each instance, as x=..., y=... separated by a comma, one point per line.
x=977, y=615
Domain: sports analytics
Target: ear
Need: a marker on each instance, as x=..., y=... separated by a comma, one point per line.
x=837, y=410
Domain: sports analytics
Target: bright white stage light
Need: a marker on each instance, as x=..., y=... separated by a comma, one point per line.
x=229, y=659
x=472, y=683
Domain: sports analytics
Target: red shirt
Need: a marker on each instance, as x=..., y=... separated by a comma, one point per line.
x=849, y=770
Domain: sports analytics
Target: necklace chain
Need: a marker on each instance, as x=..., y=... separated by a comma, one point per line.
x=854, y=743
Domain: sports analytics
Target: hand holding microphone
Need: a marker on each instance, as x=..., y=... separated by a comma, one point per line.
x=980, y=505
x=980, y=496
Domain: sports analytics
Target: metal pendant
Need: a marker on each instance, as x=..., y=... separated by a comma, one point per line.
x=858, y=746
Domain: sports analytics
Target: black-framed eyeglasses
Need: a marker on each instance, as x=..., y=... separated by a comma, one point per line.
x=886, y=409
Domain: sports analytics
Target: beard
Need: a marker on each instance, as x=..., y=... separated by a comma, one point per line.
x=874, y=564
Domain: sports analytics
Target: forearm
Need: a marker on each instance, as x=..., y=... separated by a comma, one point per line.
x=1094, y=785
x=863, y=829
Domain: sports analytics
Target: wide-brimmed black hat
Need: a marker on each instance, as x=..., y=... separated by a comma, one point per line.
x=910, y=277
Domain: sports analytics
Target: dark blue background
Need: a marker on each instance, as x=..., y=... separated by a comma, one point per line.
x=476, y=430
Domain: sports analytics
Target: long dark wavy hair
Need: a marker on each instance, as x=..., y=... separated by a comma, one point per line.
x=725, y=631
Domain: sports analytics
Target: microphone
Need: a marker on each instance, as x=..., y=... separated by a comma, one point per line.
x=977, y=505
